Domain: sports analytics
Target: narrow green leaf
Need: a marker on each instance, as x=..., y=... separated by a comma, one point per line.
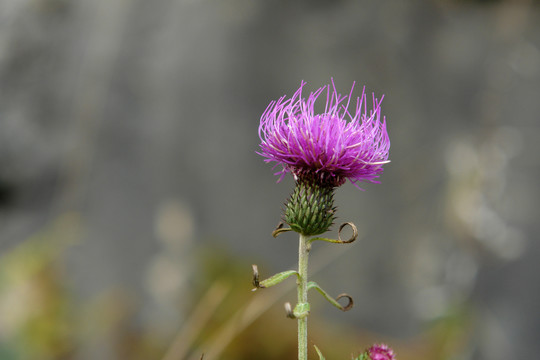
x=276, y=279
x=331, y=300
x=321, y=357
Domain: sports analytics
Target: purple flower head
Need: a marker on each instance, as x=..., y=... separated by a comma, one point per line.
x=380, y=352
x=338, y=144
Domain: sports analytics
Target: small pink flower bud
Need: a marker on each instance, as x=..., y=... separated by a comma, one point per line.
x=380, y=352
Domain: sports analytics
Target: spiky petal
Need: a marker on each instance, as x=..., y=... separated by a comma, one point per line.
x=338, y=144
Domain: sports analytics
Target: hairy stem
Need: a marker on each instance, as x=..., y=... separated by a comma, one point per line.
x=303, y=253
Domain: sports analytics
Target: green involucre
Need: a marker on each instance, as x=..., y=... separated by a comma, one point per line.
x=310, y=208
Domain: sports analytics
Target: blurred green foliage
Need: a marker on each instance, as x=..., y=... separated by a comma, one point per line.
x=35, y=308
x=223, y=318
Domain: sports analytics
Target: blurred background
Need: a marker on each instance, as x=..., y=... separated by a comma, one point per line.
x=132, y=203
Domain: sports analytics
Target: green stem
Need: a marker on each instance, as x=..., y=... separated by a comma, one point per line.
x=303, y=252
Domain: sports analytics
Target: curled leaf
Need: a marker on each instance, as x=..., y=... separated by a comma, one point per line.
x=280, y=229
x=349, y=304
x=331, y=300
x=271, y=281
x=353, y=237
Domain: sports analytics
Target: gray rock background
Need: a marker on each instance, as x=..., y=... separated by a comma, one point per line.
x=142, y=117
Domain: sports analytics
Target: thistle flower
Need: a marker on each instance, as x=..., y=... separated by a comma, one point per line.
x=330, y=147
x=322, y=150
x=380, y=352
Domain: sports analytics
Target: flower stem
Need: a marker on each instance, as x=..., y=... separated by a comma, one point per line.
x=303, y=253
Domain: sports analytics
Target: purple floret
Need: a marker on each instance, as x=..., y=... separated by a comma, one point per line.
x=380, y=352
x=332, y=146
